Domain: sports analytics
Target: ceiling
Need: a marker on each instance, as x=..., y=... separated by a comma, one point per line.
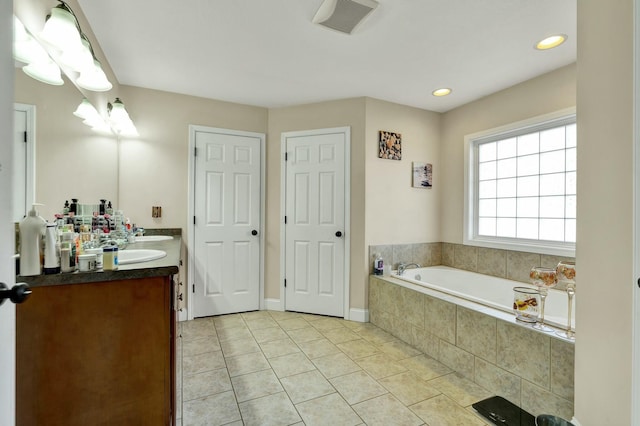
x=268, y=52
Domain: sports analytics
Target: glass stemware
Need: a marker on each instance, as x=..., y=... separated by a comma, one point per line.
x=566, y=273
x=544, y=279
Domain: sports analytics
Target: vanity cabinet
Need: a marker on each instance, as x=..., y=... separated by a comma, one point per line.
x=97, y=353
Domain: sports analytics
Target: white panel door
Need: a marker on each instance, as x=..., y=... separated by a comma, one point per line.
x=315, y=227
x=227, y=222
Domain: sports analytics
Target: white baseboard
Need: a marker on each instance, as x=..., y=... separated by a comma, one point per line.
x=359, y=315
x=273, y=305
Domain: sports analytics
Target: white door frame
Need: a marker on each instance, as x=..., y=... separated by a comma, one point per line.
x=635, y=326
x=191, y=210
x=347, y=209
x=30, y=111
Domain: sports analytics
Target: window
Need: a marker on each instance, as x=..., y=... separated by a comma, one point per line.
x=521, y=186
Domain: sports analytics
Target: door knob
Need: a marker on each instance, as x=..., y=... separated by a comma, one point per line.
x=338, y=234
x=254, y=232
x=18, y=294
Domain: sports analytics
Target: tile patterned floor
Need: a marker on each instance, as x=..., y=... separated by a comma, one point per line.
x=284, y=368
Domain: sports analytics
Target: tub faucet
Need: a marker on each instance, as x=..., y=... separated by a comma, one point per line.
x=403, y=266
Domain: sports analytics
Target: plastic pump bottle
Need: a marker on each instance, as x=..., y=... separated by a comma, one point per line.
x=32, y=229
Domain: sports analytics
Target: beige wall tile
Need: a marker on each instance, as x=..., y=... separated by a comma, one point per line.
x=426, y=342
x=456, y=359
x=476, y=333
x=465, y=257
x=440, y=318
x=412, y=307
x=401, y=329
x=427, y=254
x=537, y=400
x=492, y=262
x=498, y=381
x=448, y=251
x=374, y=294
x=386, y=251
x=562, y=366
x=524, y=352
x=402, y=253
x=519, y=264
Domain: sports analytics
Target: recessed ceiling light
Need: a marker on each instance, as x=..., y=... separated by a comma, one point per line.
x=551, y=42
x=441, y=92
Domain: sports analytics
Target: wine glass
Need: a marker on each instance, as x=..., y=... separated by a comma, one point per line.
x=566, y=273
x=544, y=279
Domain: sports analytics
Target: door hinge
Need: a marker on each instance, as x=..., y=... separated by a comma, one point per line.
x=193, y=288
x=195, y=152
x=194, y=220
x=285, y=220
x=285, y=283
x=25, y=136
x=286, y=156
x=638, y=282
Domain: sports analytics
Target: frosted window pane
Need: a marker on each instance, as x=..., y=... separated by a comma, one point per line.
x=528, y=186
x=527, y=228
x=571, y=183
x=572, y=161
x=571, y=135
x=552, y=184
x=506, y=207
x=528, y=165
x=528, y=207
x=507, y=148
x=552, y=229
x=552, y=162
x=487, y=189
x=487, y=226
x=487, y=170
x=570, y=209
x=487, y=208
x=507, y=168
x=487, y=152
x=528, y=144
x=506, y=188
x=506, y=227
x=552, y=139
x=570, y=231
x=552, y=207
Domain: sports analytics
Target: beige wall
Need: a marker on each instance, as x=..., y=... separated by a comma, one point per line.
x=548, y=93
x=348, y=112
x=397, y=213
x=604, y=251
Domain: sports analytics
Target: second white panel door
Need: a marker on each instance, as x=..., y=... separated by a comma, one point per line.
x=315, y=210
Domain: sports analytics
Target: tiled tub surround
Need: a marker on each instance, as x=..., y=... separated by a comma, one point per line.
x=531, y=369
x=513, y=265
x=494, y=292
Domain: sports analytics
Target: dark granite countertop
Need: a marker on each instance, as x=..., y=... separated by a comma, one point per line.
x=168, y=265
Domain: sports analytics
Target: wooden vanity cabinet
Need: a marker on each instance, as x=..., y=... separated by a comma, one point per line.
x=98, y=353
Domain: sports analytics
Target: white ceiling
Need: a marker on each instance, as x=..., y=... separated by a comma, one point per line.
x=268, y=53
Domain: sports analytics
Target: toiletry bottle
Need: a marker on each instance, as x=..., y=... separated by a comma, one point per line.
x=109, y=208
x=51, y=250
x=378, y=265
x=32, y=228
x=74, y=206
x=103, y=208
x=65, y=209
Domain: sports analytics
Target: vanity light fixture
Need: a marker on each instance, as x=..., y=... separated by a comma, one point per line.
x=551, y=42
x=38, y=63
x=441, y=92
x=120, y=120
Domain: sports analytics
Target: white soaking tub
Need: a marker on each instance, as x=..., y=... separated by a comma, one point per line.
x=485, y=290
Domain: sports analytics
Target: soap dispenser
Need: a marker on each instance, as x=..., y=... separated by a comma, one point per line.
x=32, y=229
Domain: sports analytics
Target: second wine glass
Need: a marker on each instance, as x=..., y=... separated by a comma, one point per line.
x=544, y=279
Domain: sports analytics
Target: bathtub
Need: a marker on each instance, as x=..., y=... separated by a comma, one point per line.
x=492, y=292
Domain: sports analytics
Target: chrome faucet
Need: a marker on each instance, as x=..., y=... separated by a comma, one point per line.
x=403, y=266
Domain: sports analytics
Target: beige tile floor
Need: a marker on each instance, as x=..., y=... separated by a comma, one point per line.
x=284, y=368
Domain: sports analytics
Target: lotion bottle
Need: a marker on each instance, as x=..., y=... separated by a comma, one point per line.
x=51, y=250
x=32, y=229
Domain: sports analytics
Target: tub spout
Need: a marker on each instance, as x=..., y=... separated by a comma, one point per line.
x=403, y=266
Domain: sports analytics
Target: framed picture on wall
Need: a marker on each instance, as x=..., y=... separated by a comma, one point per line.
x=422, y=175
x=389, y=145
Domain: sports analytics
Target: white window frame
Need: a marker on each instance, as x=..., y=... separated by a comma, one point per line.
x=470, y=207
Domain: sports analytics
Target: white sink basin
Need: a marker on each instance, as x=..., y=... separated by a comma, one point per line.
x=148, y=238
x=126, y=257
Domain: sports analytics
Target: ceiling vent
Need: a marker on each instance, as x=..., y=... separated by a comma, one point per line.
x=344, y=15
